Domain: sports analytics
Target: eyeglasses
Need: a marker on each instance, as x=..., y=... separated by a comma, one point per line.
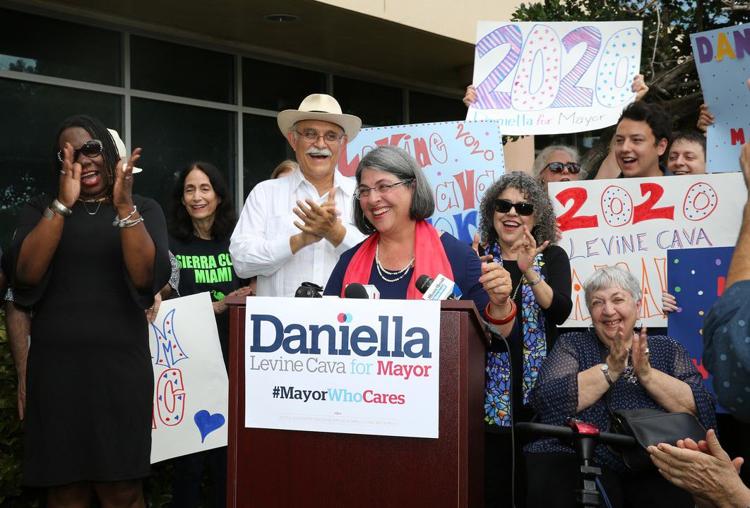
x=91, y=148
x=382, y=188
x=557, y=167
x=312, y=135
x=504, y=206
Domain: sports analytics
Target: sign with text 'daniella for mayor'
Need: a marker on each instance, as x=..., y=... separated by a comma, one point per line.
x=460, y=160
x=343, y=365
x=554, y=77
x=722, y=58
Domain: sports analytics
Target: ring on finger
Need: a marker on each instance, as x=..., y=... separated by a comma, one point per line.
x=62, y=172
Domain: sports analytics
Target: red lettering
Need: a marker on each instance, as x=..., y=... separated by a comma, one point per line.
x=568, y=220
x=646, y=210
x=466, y=185
x=738, y=136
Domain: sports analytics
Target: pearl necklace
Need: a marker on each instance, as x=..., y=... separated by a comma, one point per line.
x=399, y=274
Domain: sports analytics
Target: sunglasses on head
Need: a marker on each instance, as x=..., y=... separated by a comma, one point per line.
x=557, y=167
x=90, y=148
x=504, y=206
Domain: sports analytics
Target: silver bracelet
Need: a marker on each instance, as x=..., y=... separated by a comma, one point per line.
x=118, y=222
x=60, y=208
x=131, y=223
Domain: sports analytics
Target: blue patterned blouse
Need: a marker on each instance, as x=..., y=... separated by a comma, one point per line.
x=555, y=395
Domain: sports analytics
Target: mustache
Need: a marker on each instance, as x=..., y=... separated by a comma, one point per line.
x=325, y=152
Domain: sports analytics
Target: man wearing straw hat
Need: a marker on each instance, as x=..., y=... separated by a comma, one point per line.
x=292, y=230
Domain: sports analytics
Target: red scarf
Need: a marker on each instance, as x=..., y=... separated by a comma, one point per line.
x=429, y=259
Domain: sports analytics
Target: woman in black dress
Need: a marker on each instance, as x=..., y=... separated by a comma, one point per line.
x=89, y=262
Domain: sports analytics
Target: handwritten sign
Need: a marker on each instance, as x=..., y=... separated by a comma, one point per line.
x=554, y=77
x=697, y=278
x=722, y=58
x=633, y=222
x=338, y=365
x=190, y=380
x=460, y=160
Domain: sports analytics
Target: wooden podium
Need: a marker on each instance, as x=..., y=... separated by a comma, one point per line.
x=275, y=468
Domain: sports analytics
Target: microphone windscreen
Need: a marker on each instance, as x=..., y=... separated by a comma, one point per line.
x=423, y=283
x=355, y=290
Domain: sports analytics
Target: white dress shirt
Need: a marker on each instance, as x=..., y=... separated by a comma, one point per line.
x=260, y=242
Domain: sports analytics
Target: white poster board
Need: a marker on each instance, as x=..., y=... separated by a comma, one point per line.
x=338, y=365
x=631, y=222
x=554, y=77
x=190, y=380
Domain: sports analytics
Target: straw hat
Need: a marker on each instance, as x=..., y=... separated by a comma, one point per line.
x=319, y=106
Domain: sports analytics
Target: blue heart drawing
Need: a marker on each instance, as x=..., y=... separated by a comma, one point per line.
x=207, y=422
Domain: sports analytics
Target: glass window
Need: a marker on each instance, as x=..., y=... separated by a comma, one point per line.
x=27, y=142
x=375, y=104
x=427, y=108
x=40, y=45
x=277, y=87
x=164, y=67
x=174, y=135
x=264, y=148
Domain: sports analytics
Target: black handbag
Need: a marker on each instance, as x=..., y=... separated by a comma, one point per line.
x=651, y=427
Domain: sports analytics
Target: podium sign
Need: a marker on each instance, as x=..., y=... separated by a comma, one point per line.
x=338, y=365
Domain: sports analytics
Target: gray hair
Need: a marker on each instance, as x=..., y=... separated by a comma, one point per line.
x=399, y=163
x=533, y=193
x=543, y=158
x=609, y=277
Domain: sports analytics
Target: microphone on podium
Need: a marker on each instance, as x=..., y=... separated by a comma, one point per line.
x=355, y=290
x=441, y=288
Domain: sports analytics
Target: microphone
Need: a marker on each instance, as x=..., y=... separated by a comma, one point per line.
x=441, y=288
x=355, y=290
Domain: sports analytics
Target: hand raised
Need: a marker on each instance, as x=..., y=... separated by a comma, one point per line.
x=526, y=250
x=70, y=178
x=122, y=192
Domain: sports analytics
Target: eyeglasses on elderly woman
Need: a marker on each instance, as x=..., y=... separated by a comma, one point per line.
x=522, y=208
x=557, y=167
x=91, y=148
x=382, y=188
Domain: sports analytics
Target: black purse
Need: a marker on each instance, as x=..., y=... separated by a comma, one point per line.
x=651, y=427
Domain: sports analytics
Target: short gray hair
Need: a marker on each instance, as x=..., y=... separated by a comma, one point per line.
x=533, y=193
x=542, y=159
x=399, y=163
x=608, y=277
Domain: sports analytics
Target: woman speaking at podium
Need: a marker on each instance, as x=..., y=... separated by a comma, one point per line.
x=391, y=203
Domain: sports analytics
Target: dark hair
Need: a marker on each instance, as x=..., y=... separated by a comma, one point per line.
x=96, y=130
x=533, y=193
x=653, y=114
x=399, y=163
x=180, y=223
x=691, y=136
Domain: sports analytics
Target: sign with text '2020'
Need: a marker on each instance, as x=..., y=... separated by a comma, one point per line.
x=460, y=159
x=554, y=77
x=632, y=222
x=338, y=365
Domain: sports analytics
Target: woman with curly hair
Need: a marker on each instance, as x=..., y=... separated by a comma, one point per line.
x=517, y=225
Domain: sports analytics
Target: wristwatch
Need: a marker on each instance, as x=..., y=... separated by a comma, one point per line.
x=605, y=371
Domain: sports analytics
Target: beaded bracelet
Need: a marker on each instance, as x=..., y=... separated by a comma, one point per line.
x=507, y=319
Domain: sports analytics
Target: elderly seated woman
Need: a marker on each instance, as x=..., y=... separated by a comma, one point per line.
x=609, y=368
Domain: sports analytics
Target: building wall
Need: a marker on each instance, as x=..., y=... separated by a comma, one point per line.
x=450, y=18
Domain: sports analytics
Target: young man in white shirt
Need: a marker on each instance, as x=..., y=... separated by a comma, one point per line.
x=293, y=229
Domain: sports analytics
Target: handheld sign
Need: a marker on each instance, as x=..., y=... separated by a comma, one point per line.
x=554, y=77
